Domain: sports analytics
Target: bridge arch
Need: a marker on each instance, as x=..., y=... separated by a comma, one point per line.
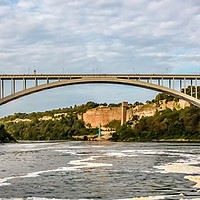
x=109, y=80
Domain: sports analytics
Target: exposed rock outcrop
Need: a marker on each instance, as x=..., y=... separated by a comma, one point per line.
x=104, y=115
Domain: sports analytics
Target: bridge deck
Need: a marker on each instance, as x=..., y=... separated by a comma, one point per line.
x=154, y=76
x=159, y=82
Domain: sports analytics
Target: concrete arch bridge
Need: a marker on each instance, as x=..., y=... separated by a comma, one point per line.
x=172, y=84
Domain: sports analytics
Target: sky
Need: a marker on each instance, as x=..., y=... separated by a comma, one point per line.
x=101, y=37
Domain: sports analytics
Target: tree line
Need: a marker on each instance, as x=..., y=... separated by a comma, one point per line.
x=163, y=125
x=63, y=129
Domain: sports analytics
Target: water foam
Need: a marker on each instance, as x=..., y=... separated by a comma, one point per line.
x=66, y=151
x=3, y=182
x=119, y=155
x=179, y=168
x=158, y=152
x=148, y=198
x=77, y=147
x=89, y=164
x=194, y=179
x=79, y=164
x=97, y=146
x=190, y=167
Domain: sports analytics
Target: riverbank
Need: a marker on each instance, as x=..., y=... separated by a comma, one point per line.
x=175, y=140
x=105, y=136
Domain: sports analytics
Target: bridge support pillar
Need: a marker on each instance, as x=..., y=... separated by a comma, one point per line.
x=12, y=86
x=36, y=83
x=184, y=85
x=0, y=88
x=191, y=88
x=124, y=108
x=180, y=85
x=196, y=88
x=24, y=83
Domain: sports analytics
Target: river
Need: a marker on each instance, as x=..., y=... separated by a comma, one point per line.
x=100, y=170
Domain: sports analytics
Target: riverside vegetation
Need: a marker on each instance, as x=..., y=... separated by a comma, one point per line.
x=168, y=124
x=64, y=127
x=5, y=136
x=183, y=124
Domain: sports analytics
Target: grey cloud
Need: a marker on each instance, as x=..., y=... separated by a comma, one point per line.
x=132, y=36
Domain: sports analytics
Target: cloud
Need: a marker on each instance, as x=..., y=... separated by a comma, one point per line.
x=86, y=26
x=132, y=36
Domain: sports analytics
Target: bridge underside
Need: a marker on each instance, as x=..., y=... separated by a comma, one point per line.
x=107, y=80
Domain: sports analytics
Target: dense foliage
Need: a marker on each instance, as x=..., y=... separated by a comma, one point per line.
x=5, y=136
x=167, y=124
x=63, y=129
x=114, y=124
x=54, y=129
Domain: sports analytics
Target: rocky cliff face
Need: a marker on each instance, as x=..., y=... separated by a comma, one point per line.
x=105, y=115
x=101, y=116
x=150, y=109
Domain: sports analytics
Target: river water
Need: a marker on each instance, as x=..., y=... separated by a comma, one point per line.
x=100, y=170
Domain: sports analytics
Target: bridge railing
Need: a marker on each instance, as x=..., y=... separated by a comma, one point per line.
x=173, y=81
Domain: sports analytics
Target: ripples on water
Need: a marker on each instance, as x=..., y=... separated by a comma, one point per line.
x=100, y=170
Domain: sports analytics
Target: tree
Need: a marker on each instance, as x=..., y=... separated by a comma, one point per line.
x=4, y=135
